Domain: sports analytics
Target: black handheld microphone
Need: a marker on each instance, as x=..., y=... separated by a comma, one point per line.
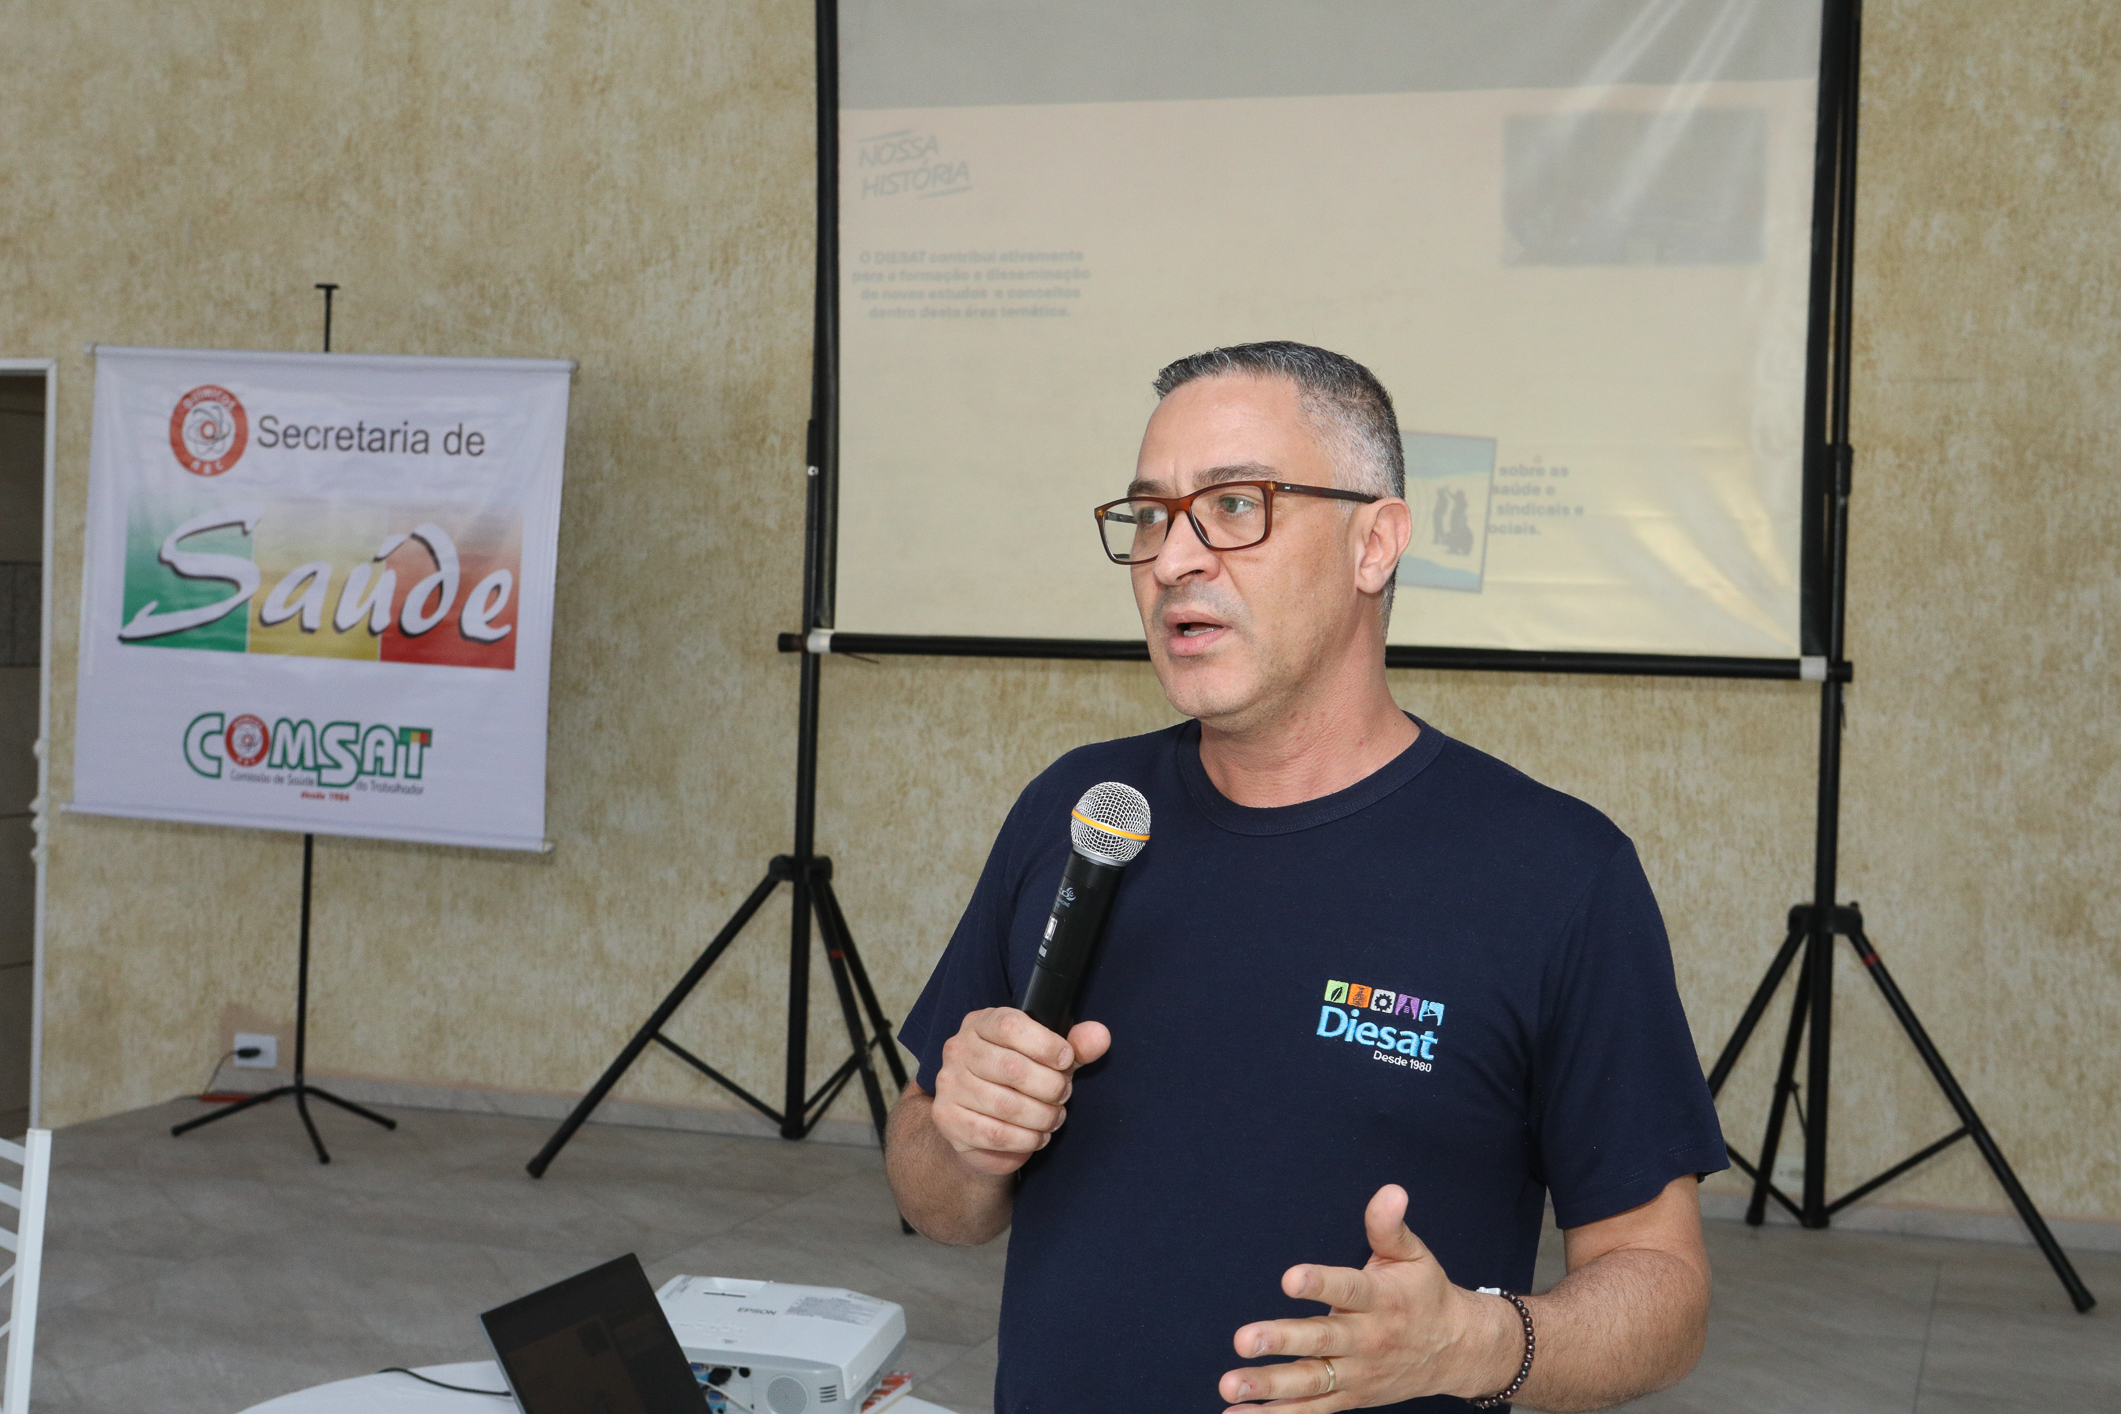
x=1108, y=827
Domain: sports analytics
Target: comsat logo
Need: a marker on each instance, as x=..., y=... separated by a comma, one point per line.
x=298, y=752
x=1411, y=1044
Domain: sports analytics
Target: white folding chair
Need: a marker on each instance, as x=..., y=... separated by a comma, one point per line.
x=34, y=1157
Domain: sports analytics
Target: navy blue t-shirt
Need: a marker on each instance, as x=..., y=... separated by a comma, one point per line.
x=1446, y=976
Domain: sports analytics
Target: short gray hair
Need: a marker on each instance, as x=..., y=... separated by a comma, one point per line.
x=1345, y=404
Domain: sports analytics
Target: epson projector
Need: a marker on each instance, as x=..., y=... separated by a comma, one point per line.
x=782, y=1349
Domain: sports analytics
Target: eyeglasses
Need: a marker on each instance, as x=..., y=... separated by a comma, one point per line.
x=1230, y=515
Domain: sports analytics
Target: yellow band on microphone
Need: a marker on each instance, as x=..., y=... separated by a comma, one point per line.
x=1108, y=829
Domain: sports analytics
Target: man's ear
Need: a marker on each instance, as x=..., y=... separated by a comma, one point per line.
x=1385, y=527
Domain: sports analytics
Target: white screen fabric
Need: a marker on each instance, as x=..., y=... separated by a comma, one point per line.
x=1571, y=237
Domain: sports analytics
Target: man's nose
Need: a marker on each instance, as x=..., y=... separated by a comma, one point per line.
x=1185, y=552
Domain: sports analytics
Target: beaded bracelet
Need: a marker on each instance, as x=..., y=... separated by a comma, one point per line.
x=1524, y=1314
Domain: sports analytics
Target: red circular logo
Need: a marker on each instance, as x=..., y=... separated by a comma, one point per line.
x=247, y=739
x=208, y=431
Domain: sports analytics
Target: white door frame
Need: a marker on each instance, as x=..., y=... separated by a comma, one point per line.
x=40, y=807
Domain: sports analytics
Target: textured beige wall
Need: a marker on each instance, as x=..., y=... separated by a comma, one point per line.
x=629, y=185
x=624, y=184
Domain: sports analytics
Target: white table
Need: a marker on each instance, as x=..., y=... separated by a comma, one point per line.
x=388, y=1394
x=394, y=1392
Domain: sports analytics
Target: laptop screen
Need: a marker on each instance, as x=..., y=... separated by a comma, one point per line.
x=596, y=1343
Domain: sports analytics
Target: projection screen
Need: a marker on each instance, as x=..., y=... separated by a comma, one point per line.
x=1572, y=237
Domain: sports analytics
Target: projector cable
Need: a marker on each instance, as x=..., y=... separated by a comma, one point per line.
x=726, y=1395
x=460, y=1389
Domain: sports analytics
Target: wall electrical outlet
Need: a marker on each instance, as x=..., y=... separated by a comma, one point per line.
x=268, y=1056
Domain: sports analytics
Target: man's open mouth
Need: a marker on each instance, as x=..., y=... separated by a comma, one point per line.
x=1191, y=632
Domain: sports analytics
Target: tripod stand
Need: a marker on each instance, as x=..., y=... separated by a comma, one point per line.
x=1814, y=1210
x=1814, y=926
x=868, y=1030
x=301, y=1089
x=812, y=877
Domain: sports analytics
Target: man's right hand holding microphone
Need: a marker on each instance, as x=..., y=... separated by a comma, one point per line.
x=1002, y=1091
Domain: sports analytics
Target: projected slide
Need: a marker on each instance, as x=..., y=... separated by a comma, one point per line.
x=1573, y=240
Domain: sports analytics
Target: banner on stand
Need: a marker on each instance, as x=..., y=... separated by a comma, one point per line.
x=318, y=592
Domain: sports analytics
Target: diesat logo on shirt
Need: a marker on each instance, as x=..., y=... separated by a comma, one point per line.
x=1407, y=1044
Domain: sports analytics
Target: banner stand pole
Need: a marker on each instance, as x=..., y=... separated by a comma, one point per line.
x=1814, y=926
x=301, y=1089
x=810, y=873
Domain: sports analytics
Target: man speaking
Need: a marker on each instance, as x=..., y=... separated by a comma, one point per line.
x=1365, y=1001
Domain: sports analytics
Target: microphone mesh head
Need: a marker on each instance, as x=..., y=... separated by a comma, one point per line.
x=1111, y=822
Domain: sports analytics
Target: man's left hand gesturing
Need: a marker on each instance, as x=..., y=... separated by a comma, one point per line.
x=1398, y=1330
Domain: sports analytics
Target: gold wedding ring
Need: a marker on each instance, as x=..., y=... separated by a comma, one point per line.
x=1332, y=1375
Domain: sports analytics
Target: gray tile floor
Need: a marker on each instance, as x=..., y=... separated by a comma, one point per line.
x=214, y=1271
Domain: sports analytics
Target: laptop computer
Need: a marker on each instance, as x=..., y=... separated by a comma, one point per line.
x=596, y=1343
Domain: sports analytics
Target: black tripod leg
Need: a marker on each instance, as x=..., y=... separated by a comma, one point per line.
x=236, y=1108
x=302, y=1109
x=2080, y=1296
x=1755, y=1009
x=875, y=1008
x=352, y=1108
x=843, y=983
x=1785, y=1086
x=846, y=971
x=646, y=1034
